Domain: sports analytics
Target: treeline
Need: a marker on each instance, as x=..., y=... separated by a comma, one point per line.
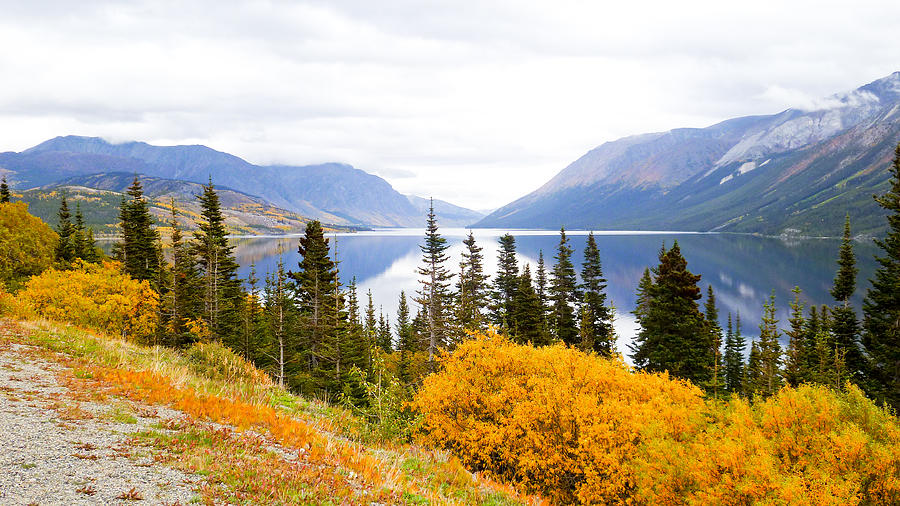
x=318, y=336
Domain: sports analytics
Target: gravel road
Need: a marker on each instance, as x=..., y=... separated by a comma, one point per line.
x=55, y=449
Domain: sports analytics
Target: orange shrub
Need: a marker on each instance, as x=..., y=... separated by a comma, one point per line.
x=97, y=296
x=581, y=429
x=554, y=420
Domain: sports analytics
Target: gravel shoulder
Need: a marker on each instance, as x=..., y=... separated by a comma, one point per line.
x=60, y=448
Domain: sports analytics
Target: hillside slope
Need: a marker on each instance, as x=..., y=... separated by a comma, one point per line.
x=205, y=423
x=331, y=192
x=99, y=197
x=798, y=171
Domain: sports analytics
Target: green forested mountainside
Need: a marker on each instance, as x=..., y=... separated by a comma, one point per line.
x=796, y=172
x=100, y=195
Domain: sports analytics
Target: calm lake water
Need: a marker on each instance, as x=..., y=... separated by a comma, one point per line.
x=743, y=270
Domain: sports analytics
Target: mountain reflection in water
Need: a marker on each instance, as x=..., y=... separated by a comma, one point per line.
x=743, y=270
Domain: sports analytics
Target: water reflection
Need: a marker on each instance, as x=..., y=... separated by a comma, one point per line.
x=743, y=270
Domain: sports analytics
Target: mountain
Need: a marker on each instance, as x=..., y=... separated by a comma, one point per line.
x=798, y=171
x=99, y=196
x=449, y=215
x=332, y=192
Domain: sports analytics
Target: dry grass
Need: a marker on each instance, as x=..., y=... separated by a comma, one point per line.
x=211, y=384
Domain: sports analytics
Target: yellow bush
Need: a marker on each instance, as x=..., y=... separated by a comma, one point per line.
x=581, y=429
x=97, y=296
x=27, y=244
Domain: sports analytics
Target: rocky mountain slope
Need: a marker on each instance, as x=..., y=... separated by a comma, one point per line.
x=798, y=171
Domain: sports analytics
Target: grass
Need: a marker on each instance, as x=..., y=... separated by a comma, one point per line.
x=213, y=385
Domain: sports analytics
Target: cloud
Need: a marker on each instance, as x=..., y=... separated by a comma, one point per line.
x=476, y=103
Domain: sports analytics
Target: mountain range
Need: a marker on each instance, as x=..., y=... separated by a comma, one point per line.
x=795, y=172
x=334, y=193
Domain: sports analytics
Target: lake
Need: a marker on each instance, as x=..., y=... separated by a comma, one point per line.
x=743, y=270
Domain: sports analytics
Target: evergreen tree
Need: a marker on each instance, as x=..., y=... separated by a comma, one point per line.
x=506, y=281
x=541, y=290
x=711, y=312
x=563, y=295
x=472, y=286
x=753, y=381
x=4, y=191
x=768, y=373
x=796, y=360
x=595, y=312
x=527, y=312
x=66, y=247
x=252, y=318
x=222, y=297
x=434, y=294
x=314, y=283
x=349, y=350
x=881, y=307
x=406, y=341
x=644, y=288
x=139, y=251
x=356, y=326
x=279, y=314
x=844, y=324
x=734, y=357
x=370, y=324
x=674, y=335
x=384, y=333
x=185, y=292
x=85, y=246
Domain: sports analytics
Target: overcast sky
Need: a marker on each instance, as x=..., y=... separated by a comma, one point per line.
x=475, y=102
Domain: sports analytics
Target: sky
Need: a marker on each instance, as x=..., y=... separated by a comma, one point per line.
x=473, y=102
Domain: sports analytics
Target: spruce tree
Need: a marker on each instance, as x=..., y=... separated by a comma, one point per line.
x=711, y=312
x=281, y=347
x=406, y=341
x=541, y=290
x=222, y=295
x=252, y=318
x=472, y=291
x=66, y=247
x=674, y=335
x=642, y=302
x=769, y=373
x=595, y=311
x=85, y=246
x=384, y=333
x=348, y=348
x=185, y=292
x=734, y=357
x=314, y=283
x=139, y=251
x=4, y=191
x=370, y=324
x=796, y=360
x=434, y=295
x=506, y=281
x=881, y=307
x=526, y=317
x=563, y=295
x=356, y=331
x=753, y=380
x=844, y=324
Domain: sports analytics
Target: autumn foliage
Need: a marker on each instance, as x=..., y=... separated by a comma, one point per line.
x=27, y=244
x=581, y=429
x=97, y=296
